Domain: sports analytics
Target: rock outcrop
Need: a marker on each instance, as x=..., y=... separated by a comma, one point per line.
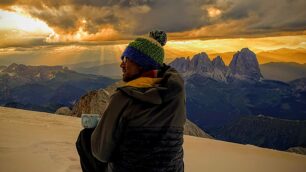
x=244, y=65
x=64, y=111
x=193, y=130
x=299, y=150
x=94, y=102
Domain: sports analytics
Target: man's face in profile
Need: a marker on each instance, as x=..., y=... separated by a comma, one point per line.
x=130, y=69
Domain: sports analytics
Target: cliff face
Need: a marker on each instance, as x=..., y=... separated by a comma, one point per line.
x=94, y=102
x=244, y=65
x=193, y=130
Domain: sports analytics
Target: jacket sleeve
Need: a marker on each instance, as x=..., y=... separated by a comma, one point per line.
x=106, y=135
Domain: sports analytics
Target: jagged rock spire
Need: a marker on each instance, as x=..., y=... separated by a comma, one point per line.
x=244, y=65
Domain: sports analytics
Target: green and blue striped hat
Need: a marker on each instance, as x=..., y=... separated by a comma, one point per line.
x=147, y=52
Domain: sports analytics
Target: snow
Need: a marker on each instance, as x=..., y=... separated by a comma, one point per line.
x=37, y=141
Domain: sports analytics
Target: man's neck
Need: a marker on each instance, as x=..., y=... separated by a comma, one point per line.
x=150, y=73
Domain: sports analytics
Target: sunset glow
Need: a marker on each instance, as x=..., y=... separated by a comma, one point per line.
x=45, y=32
x=213, y=12
x=19, y=21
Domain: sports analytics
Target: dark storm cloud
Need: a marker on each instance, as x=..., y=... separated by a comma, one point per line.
x=137, y=17
x=122, y=3
x=173, y=16
x=277, y=15
x=7, y=2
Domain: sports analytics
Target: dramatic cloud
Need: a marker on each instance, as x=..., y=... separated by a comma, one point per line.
x=108, y=20
x=277, y=15
x=126, y=17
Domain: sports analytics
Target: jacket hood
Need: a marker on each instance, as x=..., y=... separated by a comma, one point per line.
x=155, y=90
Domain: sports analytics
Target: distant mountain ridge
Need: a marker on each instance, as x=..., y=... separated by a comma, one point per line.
x=110, y=70
x=244, y=66
x=27, y=74
x=240, y=87
x=45, y=88
x=283, y=71
x=2, y=68
x=282, y=55
x=219, y=95
x=265, y=132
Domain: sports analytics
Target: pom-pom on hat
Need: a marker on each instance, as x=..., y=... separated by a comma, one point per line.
x=147, y=52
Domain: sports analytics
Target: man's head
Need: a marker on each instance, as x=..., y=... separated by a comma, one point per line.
x=130, y=69
x=143, y=54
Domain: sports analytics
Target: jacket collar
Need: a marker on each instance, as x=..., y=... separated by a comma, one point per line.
x=143, y=82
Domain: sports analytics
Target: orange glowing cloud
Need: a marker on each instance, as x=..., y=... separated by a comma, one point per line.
x=213, y=12
x=101, y=29
x=106, y=33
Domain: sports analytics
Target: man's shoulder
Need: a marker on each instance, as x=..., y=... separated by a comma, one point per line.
x=119, y=95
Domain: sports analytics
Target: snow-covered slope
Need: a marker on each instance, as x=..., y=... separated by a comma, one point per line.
x=36, y=141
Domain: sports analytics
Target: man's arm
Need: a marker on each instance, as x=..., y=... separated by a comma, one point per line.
x=106, y=135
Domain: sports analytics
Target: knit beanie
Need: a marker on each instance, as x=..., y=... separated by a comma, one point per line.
x=147, y=52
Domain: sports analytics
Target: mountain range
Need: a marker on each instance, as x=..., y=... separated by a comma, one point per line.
x=265, y=131
x=280, y=71
x=283, y=71
x=244, y=66
x=111, y=70
x=45, y=88
x=218, y=96
x=282, y=55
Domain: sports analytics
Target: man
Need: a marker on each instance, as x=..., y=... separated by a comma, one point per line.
x=142, y=128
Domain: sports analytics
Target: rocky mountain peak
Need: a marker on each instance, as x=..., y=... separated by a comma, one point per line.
x=17, y=68
x=219, y=69
x=201, y=57
x=33, y=72
x=200, y=63
x=218, y=62
x=199, y=60
x=181, y=64
x=244, y=65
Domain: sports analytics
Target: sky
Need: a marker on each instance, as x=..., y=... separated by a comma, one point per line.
x=56, y=32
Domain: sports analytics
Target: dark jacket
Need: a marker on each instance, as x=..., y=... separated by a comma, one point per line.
x=142, y=128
